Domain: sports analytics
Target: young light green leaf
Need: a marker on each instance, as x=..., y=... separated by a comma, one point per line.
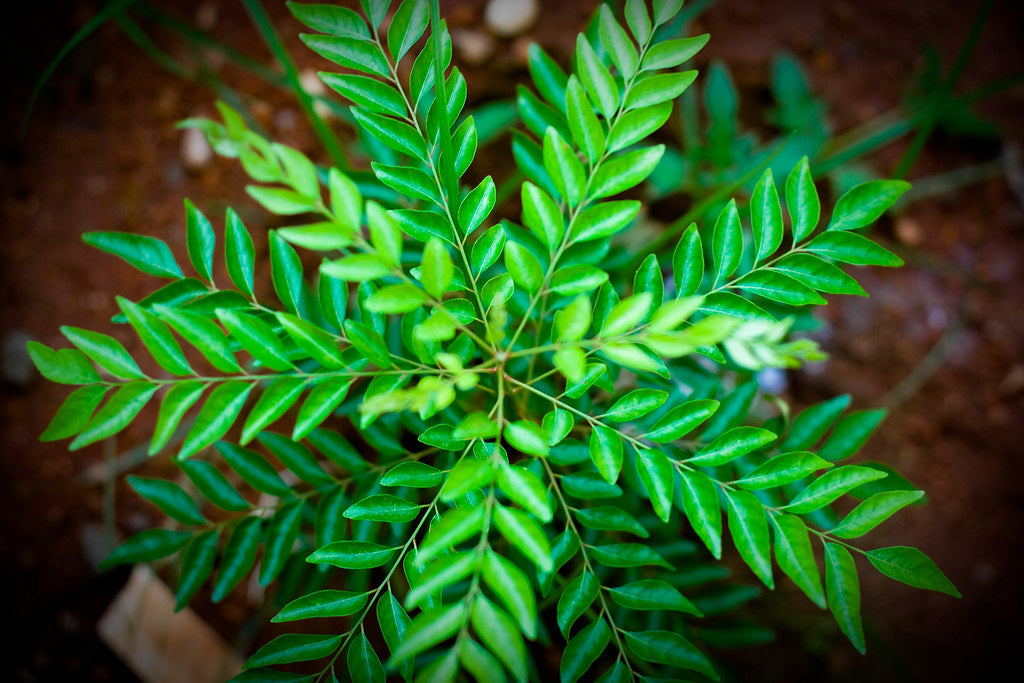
x=668, y=54
x=727, y=243
x=658, y=477
x=586, y=129
x=524, y=534
x=542, y=216
x=604, y=219
x=624, y=172
x=524, y=267
x=598, y=82
x=606, y=452
x=766, y=217
x=499, y=633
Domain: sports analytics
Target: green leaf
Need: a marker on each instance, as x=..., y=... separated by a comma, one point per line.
x=296, y=458
x=428, y=629
x=654, y=89
x=688, y=262
x=551, y=81
x=583, y=649
x=565, y=170
x=748, y=527
x=280, y=201
x=363, y=664
x=542, y=216
x=196, y=567
x=499, y=633
x=635, y=125
x=576, y=598
x=238, y=557
x=766, y=217
x=795, y=557
x=850, y=433
x=337, y=21
x=116, y=414
x=514, y=590
x=203, y=334
x=624, y=172
x=213, y=485
x=700, y=503
x=279, y=540
x=453, y=527
x=668, y=54
x=200, y=240
x=414, y=474
x=468, y=475
x=873, y=512
x=146, y=546
x=666, y=647
x=480, y=663
x=849, y=247
x=396, y=134
x=864, y=203
x=609, y=518
x=652, y=595
x=239, y=254
x=368, y=342
x=352, y=555
x=636, y=404
x=727, y=243
x=222, y=406
x=524, y=534
x=617, y=44
x=63, y=366
x=830, y=486
x=681, y=420
x=393, y=622
x=525, y=488
x=276, y=399
x=148, y=254
x=73, y=415
x=254, y=469
x=577, y=279
x=628, y=555
x=587, y=131
x=573, y=321
x=638, y=21
x=400, y=298
x=606, y=452
x=733, y=444
x=407, y=181
x=811, y=423
x=407, y=25
x=441, y=573
x=802, y=201
x=658, y=477
x=604, y=219
x=352, y=53
x=598, y=82
x=843, y=593
x=169, y=497
x=477, y=206
x=104, y=351
x=383, y=507
x=776, y=286
x=437, y=269
x=256, y=337
x=912, y=567
x=813, y=272
x=367, y=92
x=783, y=469
x=524, y=267
x=293, y=647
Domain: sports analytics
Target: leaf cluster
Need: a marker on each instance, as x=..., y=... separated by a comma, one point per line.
x=492, y=434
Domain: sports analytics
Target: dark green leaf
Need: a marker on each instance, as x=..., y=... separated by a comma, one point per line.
x=169, y=497
x=666, y=647
x=912, y=567
x=795, y=557
x=873, y=512
x=576, y=598
x=843, y=593
x=652, y=595
x=148, y=545
x=352, y=555
x=222, y=406
x=583, y=649
x=293, y=647
x=238, y=556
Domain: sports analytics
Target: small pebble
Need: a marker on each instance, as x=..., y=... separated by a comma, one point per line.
x=474, y=47
x=195, y=150
x=507, y=18
x=909, y=232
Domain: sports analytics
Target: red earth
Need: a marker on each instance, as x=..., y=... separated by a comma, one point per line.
x=939, y=341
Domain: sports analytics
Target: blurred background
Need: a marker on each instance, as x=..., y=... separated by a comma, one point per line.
x=930, y=91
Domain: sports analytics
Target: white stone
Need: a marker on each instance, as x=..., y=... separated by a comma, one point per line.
x=474, y=47
x=507, y=18
x=195, y=150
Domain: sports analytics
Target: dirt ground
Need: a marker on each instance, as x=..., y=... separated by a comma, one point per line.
x=938, y=341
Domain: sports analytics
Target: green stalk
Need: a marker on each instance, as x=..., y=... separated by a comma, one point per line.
x=447, y=160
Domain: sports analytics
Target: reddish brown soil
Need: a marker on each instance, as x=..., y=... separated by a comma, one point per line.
x=101, y=153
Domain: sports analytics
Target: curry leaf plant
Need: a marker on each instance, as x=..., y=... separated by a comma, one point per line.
x=460, y=440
